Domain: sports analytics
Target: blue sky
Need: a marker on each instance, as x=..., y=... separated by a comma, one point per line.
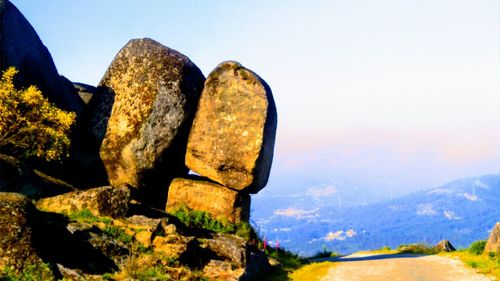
x=421, y=77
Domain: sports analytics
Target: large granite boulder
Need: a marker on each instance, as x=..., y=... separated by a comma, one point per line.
x=232, y=137
x=21, y=47
x=100, y=201
x=493, y=244
x=143, y=111
x=220, y=202
x=16, y=214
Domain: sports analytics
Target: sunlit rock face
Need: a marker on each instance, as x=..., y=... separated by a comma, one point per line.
x=493, y=244
x=232, y=138
x=220, y=202
x=144, y=108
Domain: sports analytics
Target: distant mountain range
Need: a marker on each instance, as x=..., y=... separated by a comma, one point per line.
x=461, y=211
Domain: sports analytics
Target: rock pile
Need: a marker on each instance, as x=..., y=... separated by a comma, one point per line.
x=231, y=142
x=152, y=118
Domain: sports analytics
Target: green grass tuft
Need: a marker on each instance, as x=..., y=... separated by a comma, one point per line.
x=118, y=234
x=87, y=216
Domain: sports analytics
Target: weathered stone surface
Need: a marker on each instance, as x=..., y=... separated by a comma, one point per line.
x=232, y=137
x=222, y=270
x=100, y=201
x=174, y=246
x=16, y=248
x=445, y=246
x=493, y=243
x=228, y=246
x=21, y=47
x=143, y=111
x=217, y=200
x=85, y=91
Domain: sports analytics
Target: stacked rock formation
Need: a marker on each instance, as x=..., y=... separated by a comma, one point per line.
x=231, y=143
x=142, y=112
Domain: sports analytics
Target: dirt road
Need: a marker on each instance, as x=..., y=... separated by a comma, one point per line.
x=382, y=267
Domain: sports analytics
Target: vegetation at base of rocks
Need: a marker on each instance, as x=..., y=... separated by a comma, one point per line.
x=288, y=263
x=118, y=234
x=421, y=249
x=324, y=253
x=314, y=271
x=485, y=263
x=204, y=220
x=32, y=272
x=30, y=126
x=477, y=247
x=85, y=215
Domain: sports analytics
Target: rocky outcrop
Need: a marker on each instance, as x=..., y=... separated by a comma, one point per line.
x=493, y=243
x=233, y=133
x=445, y=246
x=100, y=201
x=228, y=246
x=16, y=250
x=21, y=47
x=85, y=91
x=143, y=109
x=220, y=202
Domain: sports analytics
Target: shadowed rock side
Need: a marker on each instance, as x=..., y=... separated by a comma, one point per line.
x=151, y=93
x=21, y=47
x=218, y=201
x=15, y=231
x=493, y=243
x=232, y=138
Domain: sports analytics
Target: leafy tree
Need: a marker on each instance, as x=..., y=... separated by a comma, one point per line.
x=30, y=126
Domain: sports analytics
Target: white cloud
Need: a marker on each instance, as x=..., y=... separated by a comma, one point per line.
x=439, y=191
x=350, y=233
x=479, y=183
x=451, y=215
x=296, y=213
x=322, y=192
x=337, y=235
x=470, y=197
x=426, y=210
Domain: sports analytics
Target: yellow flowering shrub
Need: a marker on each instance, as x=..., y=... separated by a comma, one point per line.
x=29, y=124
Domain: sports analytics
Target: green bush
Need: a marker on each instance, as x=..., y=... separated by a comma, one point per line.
x=477, y=248
x=200, y=219
x=31, y=272
x=417, y=249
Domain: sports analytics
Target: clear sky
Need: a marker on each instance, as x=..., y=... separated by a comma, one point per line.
x=422, y=76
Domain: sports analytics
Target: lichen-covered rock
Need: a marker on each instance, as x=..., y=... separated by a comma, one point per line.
x=21, y=47
x=222, y=270
x=100, y=201
x=493, y=243
x=233, y=133
x=220, y=202
x=143, y=111
x=228, y=246
x=445, y=246
x=16, y=250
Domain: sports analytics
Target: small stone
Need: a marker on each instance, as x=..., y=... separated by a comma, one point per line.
x=445, y=246
x=100, y=201
x=144, y=237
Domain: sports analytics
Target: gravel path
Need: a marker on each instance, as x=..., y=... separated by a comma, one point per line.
x=381, y=267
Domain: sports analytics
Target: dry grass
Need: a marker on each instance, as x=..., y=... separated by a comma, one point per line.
x=312, y=271
x=485, y=264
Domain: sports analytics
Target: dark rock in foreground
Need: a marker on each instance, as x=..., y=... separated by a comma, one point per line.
x=21, y=47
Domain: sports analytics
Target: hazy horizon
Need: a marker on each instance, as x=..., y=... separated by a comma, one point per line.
x=384, y=90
